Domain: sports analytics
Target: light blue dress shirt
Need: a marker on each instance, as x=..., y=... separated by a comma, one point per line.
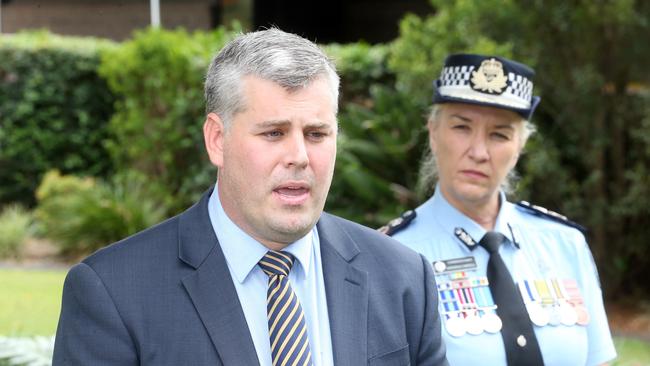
x=547, y=250
x=242, y=254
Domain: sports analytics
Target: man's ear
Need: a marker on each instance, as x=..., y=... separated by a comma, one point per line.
x=213, y=135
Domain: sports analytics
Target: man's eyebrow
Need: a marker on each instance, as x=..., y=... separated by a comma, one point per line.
x=318, y=125
x=273, y=123
x=284, y=123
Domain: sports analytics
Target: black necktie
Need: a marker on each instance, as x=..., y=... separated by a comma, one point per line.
x=517, y=332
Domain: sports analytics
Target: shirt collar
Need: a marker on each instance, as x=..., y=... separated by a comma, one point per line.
x=451, y=218
x=242, y=252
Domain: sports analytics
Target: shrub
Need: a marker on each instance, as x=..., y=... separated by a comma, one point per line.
x=15, y=222
x=360, y=65
x=84, y=214
x=157, y=125
x=380, y=145
x=54, y=110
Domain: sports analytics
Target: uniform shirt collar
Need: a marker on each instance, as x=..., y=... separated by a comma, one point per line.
x=451, y=218
x=242, y=252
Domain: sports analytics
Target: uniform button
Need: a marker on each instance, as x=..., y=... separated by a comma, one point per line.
x=521, y=341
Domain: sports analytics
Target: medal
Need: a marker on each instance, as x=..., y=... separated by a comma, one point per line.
x=582, y=315
x=455, y=325
x=573, y=296
x=568, y=315
x=538, y=315
x=554, y=315
x=474, y=324
x=491, y=322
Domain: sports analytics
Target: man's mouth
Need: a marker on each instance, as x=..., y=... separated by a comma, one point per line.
x=292, y=193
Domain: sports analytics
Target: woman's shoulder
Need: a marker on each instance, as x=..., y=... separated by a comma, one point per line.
x=546, y=219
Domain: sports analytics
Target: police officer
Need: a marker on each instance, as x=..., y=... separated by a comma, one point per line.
x=517, y=284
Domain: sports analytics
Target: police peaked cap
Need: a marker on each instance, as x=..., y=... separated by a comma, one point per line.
x=487, y=80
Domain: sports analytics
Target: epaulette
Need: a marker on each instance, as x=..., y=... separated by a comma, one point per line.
x=398, y=223
x=552, y=215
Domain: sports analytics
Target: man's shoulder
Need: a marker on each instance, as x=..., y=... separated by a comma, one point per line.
x=152, y=241
x=374, y=242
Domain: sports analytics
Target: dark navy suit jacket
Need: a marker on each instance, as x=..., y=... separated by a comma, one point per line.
x=165, y=297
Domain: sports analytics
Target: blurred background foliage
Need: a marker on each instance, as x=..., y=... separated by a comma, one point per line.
x=54, y=109
x=121, y=123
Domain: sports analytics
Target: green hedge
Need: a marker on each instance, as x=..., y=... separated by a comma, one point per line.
x=54, y=110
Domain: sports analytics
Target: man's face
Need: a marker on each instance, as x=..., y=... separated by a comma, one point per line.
x=276, y=160
x=475, y=148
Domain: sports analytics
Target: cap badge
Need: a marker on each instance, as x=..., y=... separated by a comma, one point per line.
x=489, y=77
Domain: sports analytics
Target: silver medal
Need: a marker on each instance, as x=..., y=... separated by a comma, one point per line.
x=474, y=325
x=568, y=315
x=491, y=323
x=538, y=315
x=554, y=315
x=456, y=326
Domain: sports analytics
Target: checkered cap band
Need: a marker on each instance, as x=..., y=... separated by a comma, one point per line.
x=454, y=82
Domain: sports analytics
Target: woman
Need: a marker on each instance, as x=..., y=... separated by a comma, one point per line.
x=516, y=283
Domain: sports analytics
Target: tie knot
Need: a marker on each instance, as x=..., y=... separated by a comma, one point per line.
x=491, y=241
x=276, y=263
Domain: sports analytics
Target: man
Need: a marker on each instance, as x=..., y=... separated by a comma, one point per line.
x=255, y=273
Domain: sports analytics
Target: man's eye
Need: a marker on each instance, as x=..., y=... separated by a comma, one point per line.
x=273, y=134
x=316, y=135
x=461, y=127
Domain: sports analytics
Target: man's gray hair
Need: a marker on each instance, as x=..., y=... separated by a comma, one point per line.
x=286, y=59
x=428, y=173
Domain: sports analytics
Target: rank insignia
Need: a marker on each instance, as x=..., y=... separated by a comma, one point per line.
x=398, y=223
x=552, y=215
x=464, y=237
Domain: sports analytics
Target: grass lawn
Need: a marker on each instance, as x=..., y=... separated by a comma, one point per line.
x=631, y=352
x=30, y=302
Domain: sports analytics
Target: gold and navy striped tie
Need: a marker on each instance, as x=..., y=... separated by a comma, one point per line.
x=287, y=327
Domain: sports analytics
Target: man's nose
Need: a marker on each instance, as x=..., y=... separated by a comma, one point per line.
x=296, y=154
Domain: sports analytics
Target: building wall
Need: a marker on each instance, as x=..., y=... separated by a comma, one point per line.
x=109, y=19
x=323, y=21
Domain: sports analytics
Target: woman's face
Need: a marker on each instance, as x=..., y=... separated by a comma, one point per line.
x=475, y=147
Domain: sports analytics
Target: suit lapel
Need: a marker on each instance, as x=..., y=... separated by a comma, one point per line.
x=347, y=294
x=211, y=289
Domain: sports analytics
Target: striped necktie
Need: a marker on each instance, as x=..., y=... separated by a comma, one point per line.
x=287, y=327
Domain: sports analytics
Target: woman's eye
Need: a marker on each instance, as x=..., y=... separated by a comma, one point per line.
x=501, y=136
